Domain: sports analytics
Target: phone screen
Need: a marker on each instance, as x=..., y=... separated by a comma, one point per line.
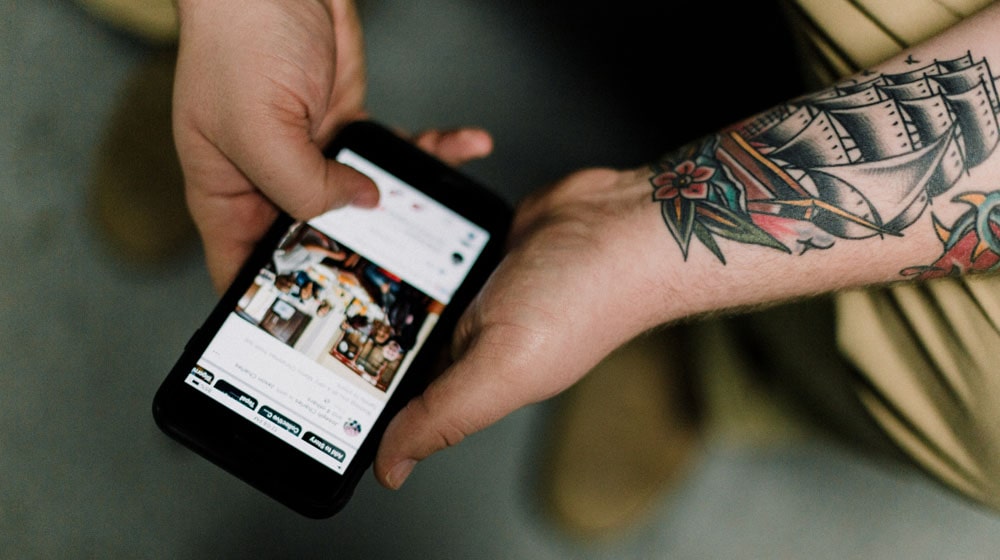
x=316, y=346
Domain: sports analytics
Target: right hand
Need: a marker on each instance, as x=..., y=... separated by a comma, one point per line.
x=578, y=281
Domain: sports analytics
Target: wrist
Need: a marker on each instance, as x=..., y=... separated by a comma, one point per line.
x=606, y=221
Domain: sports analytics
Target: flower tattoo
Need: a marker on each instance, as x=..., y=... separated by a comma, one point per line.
x=687, y=180
x=698, y=199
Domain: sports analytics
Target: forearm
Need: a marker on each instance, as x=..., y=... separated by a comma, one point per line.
x=750, y=216
x=890, y=176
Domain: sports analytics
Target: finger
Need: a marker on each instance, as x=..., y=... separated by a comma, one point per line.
x=296, y=176
x=230, y=227
x=465, y=399
x=429, y=423
x=223, y=258
x=456, y=147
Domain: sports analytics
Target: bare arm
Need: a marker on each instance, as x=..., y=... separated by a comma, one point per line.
x=891, y=176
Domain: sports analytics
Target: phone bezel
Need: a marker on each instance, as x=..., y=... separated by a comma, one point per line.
x=259, y=458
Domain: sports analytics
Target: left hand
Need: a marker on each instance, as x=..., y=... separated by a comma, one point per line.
x=261, y=88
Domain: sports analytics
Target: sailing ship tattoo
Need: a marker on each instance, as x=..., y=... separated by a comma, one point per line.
x=857, y=160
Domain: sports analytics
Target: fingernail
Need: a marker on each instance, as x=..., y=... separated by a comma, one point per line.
x=367, y=198
x=397, y=475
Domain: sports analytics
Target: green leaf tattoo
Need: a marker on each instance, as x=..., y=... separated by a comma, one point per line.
x=697, y=198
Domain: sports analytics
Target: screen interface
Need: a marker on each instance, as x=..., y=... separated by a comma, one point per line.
x=316, y=346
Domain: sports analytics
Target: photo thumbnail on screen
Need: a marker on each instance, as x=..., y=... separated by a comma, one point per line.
x=337, y=308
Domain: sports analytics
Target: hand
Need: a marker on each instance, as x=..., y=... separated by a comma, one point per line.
x=576, y=284
x=261, y=88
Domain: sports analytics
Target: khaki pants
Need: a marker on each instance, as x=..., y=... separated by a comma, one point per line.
x=908, y=373
x=930, y=355
x=914, y=368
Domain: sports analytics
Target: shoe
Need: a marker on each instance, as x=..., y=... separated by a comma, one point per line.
x=153, y=21
x=621, y=438
x=137, y=187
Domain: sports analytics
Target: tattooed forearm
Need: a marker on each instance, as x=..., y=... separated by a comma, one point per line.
x=860, y=159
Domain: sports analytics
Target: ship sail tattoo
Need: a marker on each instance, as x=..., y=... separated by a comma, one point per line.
x=857, y=160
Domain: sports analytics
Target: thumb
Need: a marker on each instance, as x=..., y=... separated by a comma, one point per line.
x=462, y=401
x=296, y=176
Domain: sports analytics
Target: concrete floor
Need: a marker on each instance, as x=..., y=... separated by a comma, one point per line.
x=85, y=338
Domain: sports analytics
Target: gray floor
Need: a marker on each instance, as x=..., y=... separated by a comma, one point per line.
x=85, y=340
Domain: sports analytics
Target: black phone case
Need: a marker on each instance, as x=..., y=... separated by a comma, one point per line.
x=251, y=453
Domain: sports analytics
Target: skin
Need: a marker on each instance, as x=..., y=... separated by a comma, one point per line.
x=591, y=261
x=260, y=89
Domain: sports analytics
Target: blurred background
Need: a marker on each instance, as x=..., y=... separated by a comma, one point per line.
x=88, y=329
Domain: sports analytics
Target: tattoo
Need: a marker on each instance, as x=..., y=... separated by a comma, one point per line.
x=861, y=159
x=698, y=198
x=972, y=244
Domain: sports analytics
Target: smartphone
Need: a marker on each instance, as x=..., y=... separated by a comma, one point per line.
x=333, y=325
